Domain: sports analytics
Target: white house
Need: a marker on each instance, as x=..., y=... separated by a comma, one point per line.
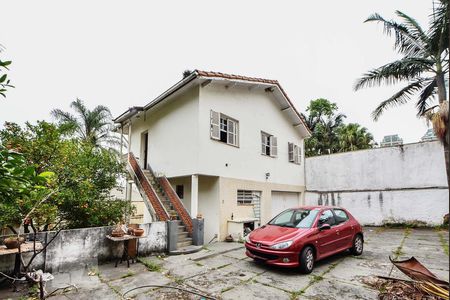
x=231, y=147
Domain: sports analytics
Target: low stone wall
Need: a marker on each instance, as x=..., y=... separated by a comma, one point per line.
x=87, y=247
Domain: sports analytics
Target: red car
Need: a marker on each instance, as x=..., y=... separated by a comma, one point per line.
x=298, y=237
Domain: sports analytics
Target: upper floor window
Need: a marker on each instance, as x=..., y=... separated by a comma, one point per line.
x=295, y=153
x=224, y=128
x=269, y=145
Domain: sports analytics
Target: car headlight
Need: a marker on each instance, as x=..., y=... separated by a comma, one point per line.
x=282, y=245
x=247, y=238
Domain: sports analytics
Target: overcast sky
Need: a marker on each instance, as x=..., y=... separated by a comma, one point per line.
x=125, y=53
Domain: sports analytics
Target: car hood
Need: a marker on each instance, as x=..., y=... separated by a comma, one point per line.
x=271, y=234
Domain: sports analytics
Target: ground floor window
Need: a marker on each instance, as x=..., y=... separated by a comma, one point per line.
x=246, y=197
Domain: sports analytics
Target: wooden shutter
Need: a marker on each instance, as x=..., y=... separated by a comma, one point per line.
x=296, y=154
x=273, y=146
x=215, y=125
x=299, y=155
x=231, y=132
x=291, y=152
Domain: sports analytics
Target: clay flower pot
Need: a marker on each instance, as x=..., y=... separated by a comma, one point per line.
x=13, y=242
x=117, y=232
x=138, y=231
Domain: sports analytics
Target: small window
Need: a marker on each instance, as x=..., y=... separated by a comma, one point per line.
x=180, y=191
x=294, y=153
x=245, y=197
x=340, y=216
x=224, y=128
x=269, y=145
x=327, y=217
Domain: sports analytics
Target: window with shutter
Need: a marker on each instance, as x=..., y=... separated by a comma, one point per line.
x=224, y=129
x=215, y=126
x=291, y=152
x=269, y=145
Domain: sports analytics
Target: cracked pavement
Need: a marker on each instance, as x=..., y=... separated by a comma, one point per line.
x=223, y=271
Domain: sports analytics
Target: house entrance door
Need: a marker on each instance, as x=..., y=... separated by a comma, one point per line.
x=145, y=141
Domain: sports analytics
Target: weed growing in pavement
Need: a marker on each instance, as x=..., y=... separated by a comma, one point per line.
x=151, y=265
x=129, y=274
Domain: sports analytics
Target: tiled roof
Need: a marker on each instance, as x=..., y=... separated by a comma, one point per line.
x=254, y=79
x=236, y=77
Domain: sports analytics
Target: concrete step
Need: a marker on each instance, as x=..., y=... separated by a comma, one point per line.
x=186, y=239
x=182, y=235
x=186, y=250
x=184, y=244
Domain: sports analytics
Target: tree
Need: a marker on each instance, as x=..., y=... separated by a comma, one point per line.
x=424, y=66
x=21, y=188
x=4, y=81
x=329, y=133
x=92, y=126
x=84, y=174
x=354, y=137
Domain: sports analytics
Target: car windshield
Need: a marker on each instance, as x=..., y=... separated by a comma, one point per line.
x=295, y=218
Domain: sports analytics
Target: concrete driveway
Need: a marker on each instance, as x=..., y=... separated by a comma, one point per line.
x=223, y=271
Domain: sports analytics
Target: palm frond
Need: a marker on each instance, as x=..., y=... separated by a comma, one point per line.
x=406, y=68
x=414, y=28
x=401, y=97
x=439, y=29
x=428, y=92
x=405, y=41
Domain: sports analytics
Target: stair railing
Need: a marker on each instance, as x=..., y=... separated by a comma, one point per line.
x=177, y=204
x=158, y=207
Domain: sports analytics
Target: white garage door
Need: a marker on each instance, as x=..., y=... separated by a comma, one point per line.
x=284, y=200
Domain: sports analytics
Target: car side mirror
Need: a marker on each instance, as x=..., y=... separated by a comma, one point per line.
x=324, y=227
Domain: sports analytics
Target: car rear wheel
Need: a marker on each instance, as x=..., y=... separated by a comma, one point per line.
x=306, y=260
x=358, y=245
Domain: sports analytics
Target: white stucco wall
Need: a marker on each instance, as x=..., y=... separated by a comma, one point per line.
x=173, y=135
x=384, y=185
x=256, y=111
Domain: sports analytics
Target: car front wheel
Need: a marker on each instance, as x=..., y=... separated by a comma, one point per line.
x=358, y=245
x=307, y=260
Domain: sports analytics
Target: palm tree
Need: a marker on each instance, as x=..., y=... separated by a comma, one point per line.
x=92, y=126
x=424, y=66
x=354, y=137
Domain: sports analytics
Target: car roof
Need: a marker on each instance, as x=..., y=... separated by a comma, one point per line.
x=318, y=207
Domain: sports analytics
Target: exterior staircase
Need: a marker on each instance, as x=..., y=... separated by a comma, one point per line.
x=161, y=200
x=183, y=234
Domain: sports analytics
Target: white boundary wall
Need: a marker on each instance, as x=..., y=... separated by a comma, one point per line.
x=384, y=185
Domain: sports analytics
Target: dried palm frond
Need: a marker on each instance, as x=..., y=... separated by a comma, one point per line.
x=439, y=119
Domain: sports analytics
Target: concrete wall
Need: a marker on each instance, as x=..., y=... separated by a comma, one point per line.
x=384, y=185
x=256, y=111
x=209, y=206
x=87, y=247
